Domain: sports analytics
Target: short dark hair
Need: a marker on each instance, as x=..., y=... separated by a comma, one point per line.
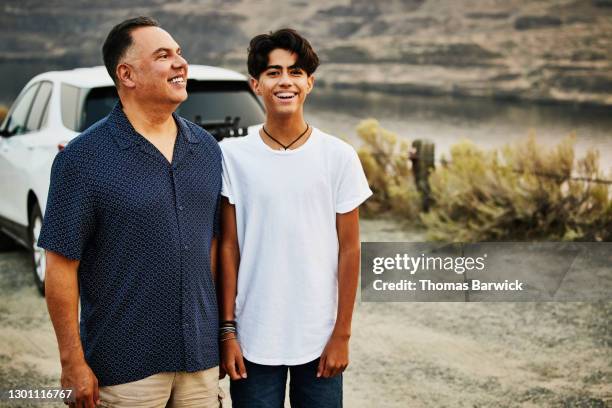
x=287, y=39
x=119, y=39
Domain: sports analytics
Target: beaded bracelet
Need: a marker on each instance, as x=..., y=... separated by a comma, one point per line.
x=228, y=329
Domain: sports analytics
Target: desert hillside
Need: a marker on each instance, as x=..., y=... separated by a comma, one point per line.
x=543, y=50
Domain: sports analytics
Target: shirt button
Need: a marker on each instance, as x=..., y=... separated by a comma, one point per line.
x=186, y=247
x=180, y=207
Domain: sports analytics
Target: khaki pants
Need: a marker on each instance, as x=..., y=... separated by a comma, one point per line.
x=173, y=390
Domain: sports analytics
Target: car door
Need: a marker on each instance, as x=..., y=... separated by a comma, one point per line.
x=20, y=155
x=14, y=124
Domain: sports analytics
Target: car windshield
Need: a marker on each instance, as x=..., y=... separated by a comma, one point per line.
x=219, y=107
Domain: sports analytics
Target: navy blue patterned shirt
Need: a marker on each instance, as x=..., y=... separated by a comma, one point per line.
x=142, y=229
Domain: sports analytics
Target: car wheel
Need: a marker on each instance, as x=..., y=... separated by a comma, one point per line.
x=39, y=258
x=7, y=243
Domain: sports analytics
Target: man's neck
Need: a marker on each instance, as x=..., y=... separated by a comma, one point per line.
x=285, y=129
x=151, y=121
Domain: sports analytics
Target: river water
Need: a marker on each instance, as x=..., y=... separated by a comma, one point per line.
x=446, y=120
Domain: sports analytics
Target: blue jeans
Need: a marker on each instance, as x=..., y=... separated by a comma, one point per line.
x=264, y=387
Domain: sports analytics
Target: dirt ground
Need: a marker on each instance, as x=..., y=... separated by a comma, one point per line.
x=402, y=354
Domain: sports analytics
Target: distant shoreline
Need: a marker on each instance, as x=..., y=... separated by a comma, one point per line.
x=432, y=91
x=454, y=90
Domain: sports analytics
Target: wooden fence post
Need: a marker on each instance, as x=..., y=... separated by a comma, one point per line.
x=422, y=157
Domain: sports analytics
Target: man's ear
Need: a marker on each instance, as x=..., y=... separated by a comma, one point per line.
x=125, y=75
x=254, y=83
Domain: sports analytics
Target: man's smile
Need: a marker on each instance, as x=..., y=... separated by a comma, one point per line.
x=179, y=79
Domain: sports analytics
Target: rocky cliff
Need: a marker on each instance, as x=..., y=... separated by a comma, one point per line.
x=546, y=50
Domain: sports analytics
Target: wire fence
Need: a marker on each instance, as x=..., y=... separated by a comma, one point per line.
x=559, y=177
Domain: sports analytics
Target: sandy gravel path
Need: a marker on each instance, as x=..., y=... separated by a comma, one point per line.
x=402, y=354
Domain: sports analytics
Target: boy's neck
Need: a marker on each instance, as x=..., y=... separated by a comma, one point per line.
x=285, y=128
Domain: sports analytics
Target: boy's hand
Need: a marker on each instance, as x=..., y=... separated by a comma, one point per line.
x=335, y=357
x=231, y=360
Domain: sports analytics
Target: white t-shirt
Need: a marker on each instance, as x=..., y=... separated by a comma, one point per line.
x=286, y=204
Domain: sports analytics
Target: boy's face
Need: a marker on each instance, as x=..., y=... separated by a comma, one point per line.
x=283, y=86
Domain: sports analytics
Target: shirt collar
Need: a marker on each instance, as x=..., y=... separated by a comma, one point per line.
x=125, y=135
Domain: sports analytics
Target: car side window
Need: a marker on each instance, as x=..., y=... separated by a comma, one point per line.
x=39, y=106
x=16, y=121
x=45, y=115
x=70, y=96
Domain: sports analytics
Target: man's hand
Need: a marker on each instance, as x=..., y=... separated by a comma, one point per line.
x=231, y=360
x=62, y=296
x=335, y=357
x=79, y=377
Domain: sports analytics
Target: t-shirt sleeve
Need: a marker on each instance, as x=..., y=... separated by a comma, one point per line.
x=353, y=188
x=69, y=216
x=226, y=185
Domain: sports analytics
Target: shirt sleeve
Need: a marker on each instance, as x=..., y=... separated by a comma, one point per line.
x=226, y=185
x=353, y=188
x=69, y=216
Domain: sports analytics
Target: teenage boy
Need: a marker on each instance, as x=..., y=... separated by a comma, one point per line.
x=290, y=244
x=129, y=229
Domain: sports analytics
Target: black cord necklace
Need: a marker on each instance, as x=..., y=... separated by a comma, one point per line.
x=290, y=144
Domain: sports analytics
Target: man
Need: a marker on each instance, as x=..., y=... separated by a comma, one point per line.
x=290, y=244
x=129, y=227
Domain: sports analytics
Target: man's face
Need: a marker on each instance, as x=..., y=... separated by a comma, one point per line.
x=283, y=86
x=154, y=67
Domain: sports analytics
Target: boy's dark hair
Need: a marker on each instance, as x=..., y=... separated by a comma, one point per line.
x=120, y=39
x=287, y=39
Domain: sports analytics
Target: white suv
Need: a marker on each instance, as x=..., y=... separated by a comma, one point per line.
x=54, y=107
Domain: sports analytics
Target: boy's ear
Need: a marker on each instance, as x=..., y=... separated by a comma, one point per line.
x=311, y=81
x=254, y=83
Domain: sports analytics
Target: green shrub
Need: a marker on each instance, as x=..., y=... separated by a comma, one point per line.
x=385, y=160
x=521, y=192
